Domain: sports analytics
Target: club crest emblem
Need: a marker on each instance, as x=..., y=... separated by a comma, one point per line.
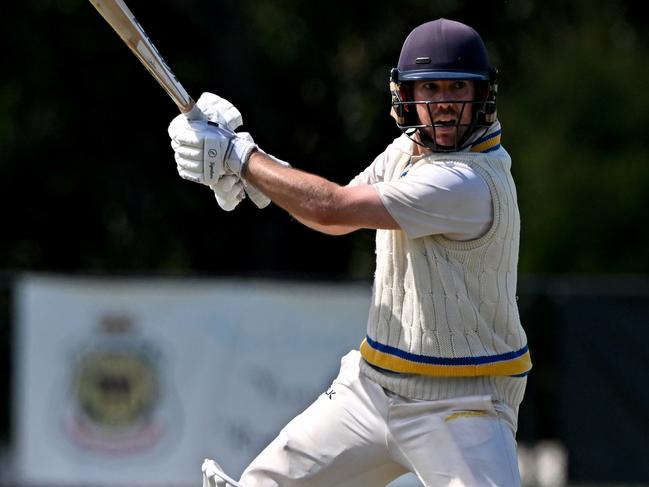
x=115, y=390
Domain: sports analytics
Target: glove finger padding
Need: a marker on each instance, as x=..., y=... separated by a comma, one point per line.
x=184, y=132
x=228, y=204
x=191, y=165
x=257, y=197
x=188, y=175
x=228, y=191
x=188, y=152
x=225, y=184
x=220, y=110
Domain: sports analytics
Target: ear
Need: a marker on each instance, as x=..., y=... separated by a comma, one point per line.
x=403, y=93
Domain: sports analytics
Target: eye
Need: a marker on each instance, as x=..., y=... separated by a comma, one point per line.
x=460, y=85
x=430, y=86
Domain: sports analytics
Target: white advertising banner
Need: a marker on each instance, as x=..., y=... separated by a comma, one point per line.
x=134, y=382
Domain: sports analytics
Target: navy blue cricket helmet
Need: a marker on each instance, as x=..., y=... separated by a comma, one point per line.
x=443, y=50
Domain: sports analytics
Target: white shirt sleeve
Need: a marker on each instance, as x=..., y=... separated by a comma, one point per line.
x=438, y=198
x=372, y=174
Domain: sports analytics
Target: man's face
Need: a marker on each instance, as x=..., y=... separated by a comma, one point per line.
x=445, y=93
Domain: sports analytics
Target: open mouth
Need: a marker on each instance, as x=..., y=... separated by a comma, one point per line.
x=445, y=123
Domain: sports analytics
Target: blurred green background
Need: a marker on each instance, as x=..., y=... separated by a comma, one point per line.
x=88, y=182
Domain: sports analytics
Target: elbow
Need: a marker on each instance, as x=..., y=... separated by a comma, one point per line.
x=333, y=210
x=325, y=215
x=327, y=209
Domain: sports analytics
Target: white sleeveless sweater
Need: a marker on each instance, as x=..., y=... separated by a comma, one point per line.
x=444, y=320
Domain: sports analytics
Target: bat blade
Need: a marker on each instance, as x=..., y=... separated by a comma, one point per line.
x=123, y=22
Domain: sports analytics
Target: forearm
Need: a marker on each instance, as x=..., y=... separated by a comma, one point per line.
x=309, y=198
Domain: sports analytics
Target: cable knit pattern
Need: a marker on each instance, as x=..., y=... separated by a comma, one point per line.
x=447, y=309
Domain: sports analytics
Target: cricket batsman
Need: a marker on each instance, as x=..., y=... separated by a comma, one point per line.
x=437, y=382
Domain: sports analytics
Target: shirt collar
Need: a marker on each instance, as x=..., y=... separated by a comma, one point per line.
x=488, y=141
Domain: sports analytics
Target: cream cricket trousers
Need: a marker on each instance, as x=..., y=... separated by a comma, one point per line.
x=358, y=434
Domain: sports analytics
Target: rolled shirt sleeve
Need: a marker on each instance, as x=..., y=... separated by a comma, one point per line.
x=444, y=198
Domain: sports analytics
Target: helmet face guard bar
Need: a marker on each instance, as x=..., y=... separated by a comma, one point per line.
x=425, y=135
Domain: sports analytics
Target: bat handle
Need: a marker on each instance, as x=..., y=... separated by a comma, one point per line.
x=194, y=114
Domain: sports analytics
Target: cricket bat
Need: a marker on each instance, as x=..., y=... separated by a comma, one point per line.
x=120, y=18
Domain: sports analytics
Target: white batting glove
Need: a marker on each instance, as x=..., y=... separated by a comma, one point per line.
x=260, y=200
x=220, y=110
x=257, y=197
x=205, y=152
x=229, y=192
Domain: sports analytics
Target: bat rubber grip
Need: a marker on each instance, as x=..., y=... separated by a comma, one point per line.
x=195, y=115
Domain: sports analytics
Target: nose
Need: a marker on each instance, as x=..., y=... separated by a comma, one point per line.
x=446, y=106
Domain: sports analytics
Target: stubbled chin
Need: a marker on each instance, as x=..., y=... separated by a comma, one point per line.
x=446, y=141
x=445, y=136
x=448, y=136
